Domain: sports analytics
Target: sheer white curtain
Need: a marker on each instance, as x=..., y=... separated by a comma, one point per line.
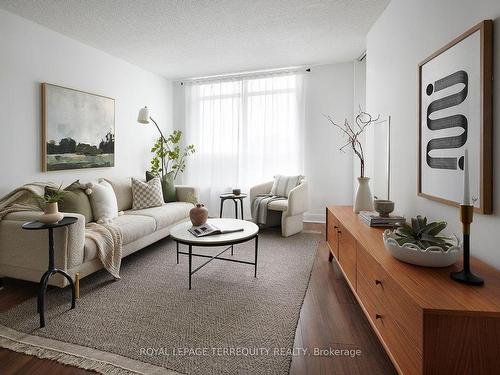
x=245, y=131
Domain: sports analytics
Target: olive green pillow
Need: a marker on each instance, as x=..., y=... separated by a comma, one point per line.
x=75, y=201
x=167, y=186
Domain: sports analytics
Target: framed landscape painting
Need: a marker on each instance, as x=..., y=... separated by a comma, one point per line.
x=78, y=129
x=455, y=114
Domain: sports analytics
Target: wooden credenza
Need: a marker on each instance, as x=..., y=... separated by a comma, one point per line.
x=427, y=323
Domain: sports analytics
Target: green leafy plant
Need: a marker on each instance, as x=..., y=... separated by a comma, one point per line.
x=423, y=234
x=169, y=157
x=51, y=196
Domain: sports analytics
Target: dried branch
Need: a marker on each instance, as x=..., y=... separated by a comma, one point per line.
x=361, y=121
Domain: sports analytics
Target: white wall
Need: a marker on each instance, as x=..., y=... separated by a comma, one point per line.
x=329, y=90
x=406, y=33
x=31, y=54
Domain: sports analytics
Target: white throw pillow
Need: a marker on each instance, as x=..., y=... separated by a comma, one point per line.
x=146, y=194
x=103, y=201
x=283, y=184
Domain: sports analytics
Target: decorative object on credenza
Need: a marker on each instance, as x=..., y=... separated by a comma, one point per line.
x=78, y=129
x=198, y=214
x=455, y=112
x=373, y=219
x=49, y=201
x=384, y=207
x=236, y=191
x=421, y=244
x=364, y=198
x=466, y=214
x=169, y=159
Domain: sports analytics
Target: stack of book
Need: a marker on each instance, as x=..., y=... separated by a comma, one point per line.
x=373, y=219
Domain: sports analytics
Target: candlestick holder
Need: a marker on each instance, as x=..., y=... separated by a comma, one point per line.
x=466, y=276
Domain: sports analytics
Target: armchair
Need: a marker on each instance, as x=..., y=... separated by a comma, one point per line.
x=292, y=209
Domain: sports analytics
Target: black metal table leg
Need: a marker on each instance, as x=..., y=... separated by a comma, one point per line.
x=221, y=206
x=256, y=251
x=190, y=264
x=232, y=249
x=177, y=252
x=242, y=216
x=235, y=208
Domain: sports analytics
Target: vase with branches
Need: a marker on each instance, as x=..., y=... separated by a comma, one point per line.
x=353, y=134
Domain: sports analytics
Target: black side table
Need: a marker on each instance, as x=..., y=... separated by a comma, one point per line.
x=37, y=225
x=235, y=198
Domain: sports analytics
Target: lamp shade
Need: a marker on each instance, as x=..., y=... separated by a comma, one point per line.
x=143, y=116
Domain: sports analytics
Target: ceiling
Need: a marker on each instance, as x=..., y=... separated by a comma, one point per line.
x=192, y=38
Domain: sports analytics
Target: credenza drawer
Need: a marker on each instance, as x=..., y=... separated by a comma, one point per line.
x=347, y=255
x=332, y=234
x=401, y=345
x=397, y=303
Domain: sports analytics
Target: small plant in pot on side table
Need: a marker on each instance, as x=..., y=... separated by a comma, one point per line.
x=364, y=198
x=49, y=201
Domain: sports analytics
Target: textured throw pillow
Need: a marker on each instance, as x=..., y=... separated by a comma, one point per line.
x=74, y=200
x=283, y=184
x=146, y=194
x=103, y=201
x=167, y=186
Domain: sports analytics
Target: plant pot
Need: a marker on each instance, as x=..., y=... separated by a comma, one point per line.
x=51, y=214
x=433, y=256
x=364, y=198
x=198, y=215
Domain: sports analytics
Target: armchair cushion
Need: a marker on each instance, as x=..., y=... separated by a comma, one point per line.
x=283, y=184
x=278, y=205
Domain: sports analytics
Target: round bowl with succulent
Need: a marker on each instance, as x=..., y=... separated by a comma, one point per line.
x=421, y=243
x=49, y=201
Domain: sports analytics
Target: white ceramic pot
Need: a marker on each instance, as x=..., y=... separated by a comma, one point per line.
x=364, y=198
x=51, y=214
x=433, y=256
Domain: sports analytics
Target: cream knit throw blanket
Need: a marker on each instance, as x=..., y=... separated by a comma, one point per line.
x=107, y=237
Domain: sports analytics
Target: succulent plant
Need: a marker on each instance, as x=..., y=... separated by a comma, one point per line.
x=423, y=234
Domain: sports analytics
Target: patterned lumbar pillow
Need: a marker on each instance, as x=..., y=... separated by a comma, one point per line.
x=283, y=184
x=146, y=194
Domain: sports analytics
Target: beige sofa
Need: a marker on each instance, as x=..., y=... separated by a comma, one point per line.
x=24, y=254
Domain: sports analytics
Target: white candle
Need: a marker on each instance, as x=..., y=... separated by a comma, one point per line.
x=466, y=200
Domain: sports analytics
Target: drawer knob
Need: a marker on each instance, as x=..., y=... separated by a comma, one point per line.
x=378, y=282
x=378, y=316
x=335, y=227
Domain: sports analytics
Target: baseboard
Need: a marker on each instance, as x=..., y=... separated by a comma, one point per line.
x=314, y=218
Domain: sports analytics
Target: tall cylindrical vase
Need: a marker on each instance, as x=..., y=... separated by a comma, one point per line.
x=364, y=198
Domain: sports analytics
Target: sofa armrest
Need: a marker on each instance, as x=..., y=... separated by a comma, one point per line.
x=24, y=254
x=186, y=193
x=264, y=188
x=298, y=200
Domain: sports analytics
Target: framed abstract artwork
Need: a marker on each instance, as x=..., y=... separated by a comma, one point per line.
x=455, y=114
x=78, y=129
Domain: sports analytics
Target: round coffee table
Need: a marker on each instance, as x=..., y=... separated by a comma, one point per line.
x=181, y=235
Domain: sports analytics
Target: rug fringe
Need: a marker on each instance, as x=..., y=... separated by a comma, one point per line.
x=64, y=358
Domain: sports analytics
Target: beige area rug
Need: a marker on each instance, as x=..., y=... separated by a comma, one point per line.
x=149, y=322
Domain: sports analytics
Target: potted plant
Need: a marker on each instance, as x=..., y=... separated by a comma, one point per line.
x=168, y=161
x=422, y=243
x=353, y=133
x=49, y=201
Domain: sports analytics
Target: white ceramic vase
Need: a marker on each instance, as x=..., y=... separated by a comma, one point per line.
x=51, y=214
x=364, y=198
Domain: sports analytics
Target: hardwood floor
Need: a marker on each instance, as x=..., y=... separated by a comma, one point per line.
x=330, y=319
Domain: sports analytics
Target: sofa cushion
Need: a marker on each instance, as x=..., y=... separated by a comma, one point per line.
x=146, y=194
x=103, y=201
x=74, y=200
x=165, y=215
x=123, y=191
x=134, y=227
x=278, y=205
